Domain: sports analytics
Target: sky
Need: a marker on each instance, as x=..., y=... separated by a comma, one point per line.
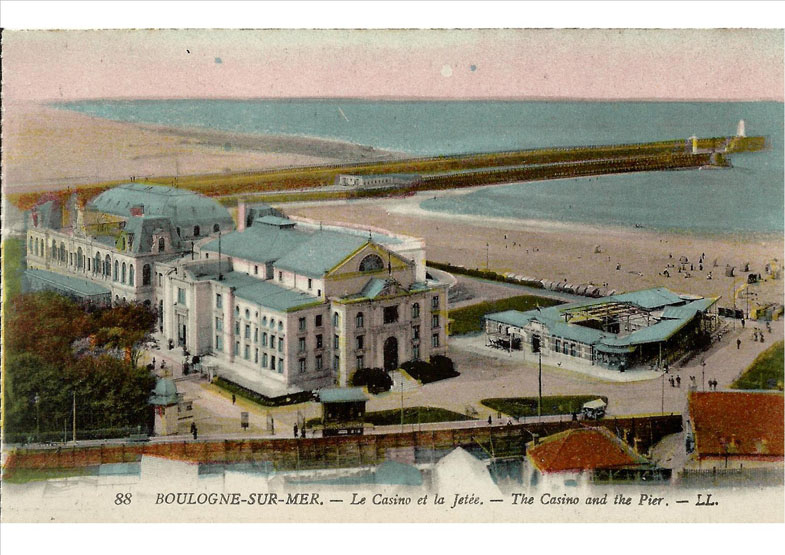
x=713, y=64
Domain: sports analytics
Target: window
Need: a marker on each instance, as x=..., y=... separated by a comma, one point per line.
x=572, y=349
x=359, y=320
x=206, y=255
x=336, y=362
x=237, y=328
x=318, y=292
x=390, y=314
x=280, y=276
x=319, y=341
x=280, y=325
x=416, y=352
x=219, y=343
x=272, y=323
x=360, y=341
x=161, y=244
x=435, y=340
x=280, y=344
x=415, y=311
x=255, y=334
x=196, y=231
x=557, y=346
x=301, y=345
x=264, y=339
x=319, y=363
x=146, y=273
x=301, y=364
x=301, y=324
x=435, y=321
x=219, y=324
x=318, y=321
x=247, y=353
x=216, y=228
x=272, y=363
x=416, y=332
x=360, y=362
x=131, y=280
x=160, y=280
x=255, y=270
x=310, y=283
x=236, y=311
x=247, y=331
x=335, y=342
x=123, y=273
x=371, y=263
x=116, y=269
x=435, y=302
x=280, y=366
x=218, y=301
x=564, y=348
x=336, y=319
x=236, y=347
x=181, y=295
x=264, y=360
x=247, y=314
x=256, y=356
x=264, y=320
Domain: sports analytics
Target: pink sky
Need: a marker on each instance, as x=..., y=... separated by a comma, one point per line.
x=742, y=64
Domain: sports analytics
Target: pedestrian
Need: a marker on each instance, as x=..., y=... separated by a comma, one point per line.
x=678, y=381
x=234, y=398
x=742, y=322
x=295, y=431
x=153, y=363
x=738, y=344
x=195, y=432
x=193, y=427
x=672, y=381
x=490, y=420
x=302, y=432
x=761, y=337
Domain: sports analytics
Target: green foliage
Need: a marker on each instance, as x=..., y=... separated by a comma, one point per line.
x=765, y=372
x=482, y=274
x=527, y=406
x=13, y=267
x=376, y=379
x=40, y=362
x=439, y=368
x=470, y=319
x=413, y=415
x=283, y=400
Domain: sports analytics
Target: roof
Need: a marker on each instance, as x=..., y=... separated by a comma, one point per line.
x=342, y=395
x=582, y=449
x=650, y=298
x=183, y=207
x=738, y=423
x=320, y=253
x=266, y=293
x=596, y=404
x=689, y=310
x=165, y=392
x=274, y=220
x=373, y=288
x=78, y=286
x=263, y=243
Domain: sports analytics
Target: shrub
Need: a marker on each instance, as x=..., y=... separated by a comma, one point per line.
x=375, y=379
x=439, y=368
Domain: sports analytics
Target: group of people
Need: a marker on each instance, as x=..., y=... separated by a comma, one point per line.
x=675, y=381
x=713, y=385
x=301, y=431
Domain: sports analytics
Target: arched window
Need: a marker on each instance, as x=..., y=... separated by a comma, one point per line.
x=416, y=310
x=96, y=262
x=359, y=319
x=371, y=263
x=122, y=280
x=196, y=231
x=161, y=244
x=36, y=246
x=216, y=228
x=107, y=266
x=146, y=274
x=30, y=247
x=336, y=319
x=247, y=314
x=54, y=249
x=62, y=252
x=131, y=280
x=79, y=258
x=264, y=320
x=116, y=269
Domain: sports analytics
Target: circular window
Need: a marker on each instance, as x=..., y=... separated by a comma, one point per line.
x=371, y=263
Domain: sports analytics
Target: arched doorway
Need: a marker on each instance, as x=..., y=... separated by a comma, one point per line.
x=390, y=354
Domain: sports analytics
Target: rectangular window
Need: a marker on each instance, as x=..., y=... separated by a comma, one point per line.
x=318, y=321
x=280, y=366
x=572, y=349
x=255, y=334
x=301, y=345
x=557, y=347
x=256, y=356
x=435, y=302
x=264, y=360
x=247, y=352
x=237, y=328
x=416, y=332
x=272, y=363
x=310, y=283
x=335, y=342
x=280, y=276
x=435, y=340
x=255, y=270
x=264, y=339
x=219, y=324
x=218, y=300
x=564, y=348
x=247, y=331
x=219, y=343
x=336, y=363
x=435, y=321
x=319, y=341
x=360, y=362
x=416, y=352
x=360, y=341
x=302, y=365
x=390, y=314
x=236, y=347
x=319, y=362
x=280, y=344
x=181, y=295
x=415, y=311
x=301, y=324
x=161, y=282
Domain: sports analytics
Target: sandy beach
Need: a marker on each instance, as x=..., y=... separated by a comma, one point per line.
x=558, y=251
x=47, y=149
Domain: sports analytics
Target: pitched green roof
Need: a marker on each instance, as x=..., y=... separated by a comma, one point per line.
x=689, y=310
x=373, y=288
x=262, y=243
x=69, y=284
x=320, y=253
x=342, y=395
x=649, y=298
x=266, y=293
x=185, y=208
x=511, y=317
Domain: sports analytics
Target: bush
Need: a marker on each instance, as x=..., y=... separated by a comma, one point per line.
x=439, y=368
x=375, y=379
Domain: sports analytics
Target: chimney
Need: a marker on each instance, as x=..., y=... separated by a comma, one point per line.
x=241, y=211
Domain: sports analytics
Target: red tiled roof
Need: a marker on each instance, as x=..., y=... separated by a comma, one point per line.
x=737, y=423
x=582, y=449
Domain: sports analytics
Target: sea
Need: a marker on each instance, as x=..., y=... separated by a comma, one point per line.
x=747, y=198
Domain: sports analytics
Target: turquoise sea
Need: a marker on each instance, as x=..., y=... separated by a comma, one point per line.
x=746, y=198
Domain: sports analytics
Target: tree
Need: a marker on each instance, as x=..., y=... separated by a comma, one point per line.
x=126, y=327
x=376, y=379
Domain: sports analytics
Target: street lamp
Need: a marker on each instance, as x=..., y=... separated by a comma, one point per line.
x=487, y=267
x=539, y=384
x=37, y=401
x=703, y=374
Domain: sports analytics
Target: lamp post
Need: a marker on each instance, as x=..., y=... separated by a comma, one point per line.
x=487, y=267
x=662, y=404
x=37, y=401
x=401, y=378
x=539, y=384
x=703, y=374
